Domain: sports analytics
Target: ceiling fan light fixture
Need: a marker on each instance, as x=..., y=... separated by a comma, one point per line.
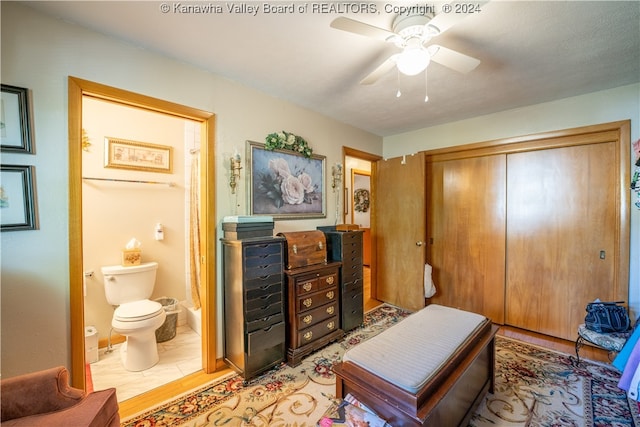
x=413, y=61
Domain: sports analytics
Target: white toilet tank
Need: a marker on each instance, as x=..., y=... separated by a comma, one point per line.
x=127, y=284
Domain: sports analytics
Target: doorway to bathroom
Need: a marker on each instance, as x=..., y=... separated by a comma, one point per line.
x=138, y=168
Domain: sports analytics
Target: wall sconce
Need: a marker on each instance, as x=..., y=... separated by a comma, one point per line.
x=234, y=169
x=336, y=174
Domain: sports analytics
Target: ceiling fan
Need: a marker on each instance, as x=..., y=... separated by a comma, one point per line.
x=412, y=33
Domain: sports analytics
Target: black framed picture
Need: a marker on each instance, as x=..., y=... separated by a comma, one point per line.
x=15, y=120
x=17, y=198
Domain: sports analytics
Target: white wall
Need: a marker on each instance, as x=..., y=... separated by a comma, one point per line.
x=622, y=103
x=39, y=53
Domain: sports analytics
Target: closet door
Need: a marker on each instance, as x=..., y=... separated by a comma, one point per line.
x=401, y=230
x=561, y=235
x=467, y=233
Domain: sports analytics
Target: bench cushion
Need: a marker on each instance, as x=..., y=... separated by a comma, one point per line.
x=410, y=353
x=610, y=342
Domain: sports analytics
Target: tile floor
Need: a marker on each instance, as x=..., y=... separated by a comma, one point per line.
x=179, y=357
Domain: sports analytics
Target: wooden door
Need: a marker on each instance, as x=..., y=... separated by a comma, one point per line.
x=400, y=230
x=466, y=229
x=561, y=222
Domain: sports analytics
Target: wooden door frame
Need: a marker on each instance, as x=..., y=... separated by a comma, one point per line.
x=373, y=158
x=77, y=89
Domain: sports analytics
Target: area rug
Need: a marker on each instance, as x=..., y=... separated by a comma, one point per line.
x=538, y=387
x=534, y=387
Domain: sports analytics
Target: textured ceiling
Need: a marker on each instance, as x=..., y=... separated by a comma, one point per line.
x=530, y=52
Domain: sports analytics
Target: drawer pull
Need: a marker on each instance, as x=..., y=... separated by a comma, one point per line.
x=308, y=335
x=330, y=280
x=307, y=319
x=307, y=302
x=320, y=245
x=295, y=249
x=307, y=286
x=330, y=294
x=331, y=325
x=330, y=310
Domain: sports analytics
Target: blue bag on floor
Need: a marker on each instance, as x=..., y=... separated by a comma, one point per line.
x=621, y=359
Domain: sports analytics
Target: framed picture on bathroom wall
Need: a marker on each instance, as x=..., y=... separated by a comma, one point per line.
x=15, y=120
x=17, y=198
x=285, y=184
x=135, y=155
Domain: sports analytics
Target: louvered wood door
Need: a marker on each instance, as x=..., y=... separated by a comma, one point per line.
x=561, y=238
x=466, y=228
x=400, y=230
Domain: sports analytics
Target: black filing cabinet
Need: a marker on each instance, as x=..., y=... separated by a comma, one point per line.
x=254, y=305
x=346, y=247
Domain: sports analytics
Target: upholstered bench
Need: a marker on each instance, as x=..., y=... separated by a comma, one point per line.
x=432, y=368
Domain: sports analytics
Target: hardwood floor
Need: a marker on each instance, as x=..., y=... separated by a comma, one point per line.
x=369, y=303
x=552, y=343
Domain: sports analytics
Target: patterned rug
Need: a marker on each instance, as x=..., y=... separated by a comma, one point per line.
x=537, y=387
x=534, y=387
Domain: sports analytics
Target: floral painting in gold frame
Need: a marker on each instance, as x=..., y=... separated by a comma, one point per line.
x=285, y=184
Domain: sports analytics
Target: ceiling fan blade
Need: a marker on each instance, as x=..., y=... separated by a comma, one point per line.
x=443, y=21
x=360, y=28
x=451, y=59
x=382, y=69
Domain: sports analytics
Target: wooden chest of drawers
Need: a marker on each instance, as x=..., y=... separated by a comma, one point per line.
x=254, y=304
x=346, y=247
x=313, y=309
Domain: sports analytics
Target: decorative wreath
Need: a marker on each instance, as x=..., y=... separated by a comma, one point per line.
x=361, y=200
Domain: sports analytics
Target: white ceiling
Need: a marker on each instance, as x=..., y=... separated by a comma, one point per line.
x=531, y=52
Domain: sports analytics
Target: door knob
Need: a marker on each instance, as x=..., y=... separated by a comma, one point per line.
x=418, y=243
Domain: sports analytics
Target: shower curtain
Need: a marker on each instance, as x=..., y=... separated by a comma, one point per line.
x=194, y=229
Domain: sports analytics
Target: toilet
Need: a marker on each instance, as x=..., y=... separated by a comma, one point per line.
x=136, y=317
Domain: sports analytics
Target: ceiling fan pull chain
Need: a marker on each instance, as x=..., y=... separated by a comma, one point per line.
x=426, y=80
x=398, y=93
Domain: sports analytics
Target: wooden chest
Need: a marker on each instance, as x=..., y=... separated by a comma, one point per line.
x=304, y=248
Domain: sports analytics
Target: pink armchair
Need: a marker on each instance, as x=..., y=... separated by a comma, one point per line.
x=44, y=398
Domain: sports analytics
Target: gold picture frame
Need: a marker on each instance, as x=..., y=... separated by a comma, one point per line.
x=140, y=156
x=267, y=170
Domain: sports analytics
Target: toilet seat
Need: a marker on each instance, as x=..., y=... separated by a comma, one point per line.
x=137, y=310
